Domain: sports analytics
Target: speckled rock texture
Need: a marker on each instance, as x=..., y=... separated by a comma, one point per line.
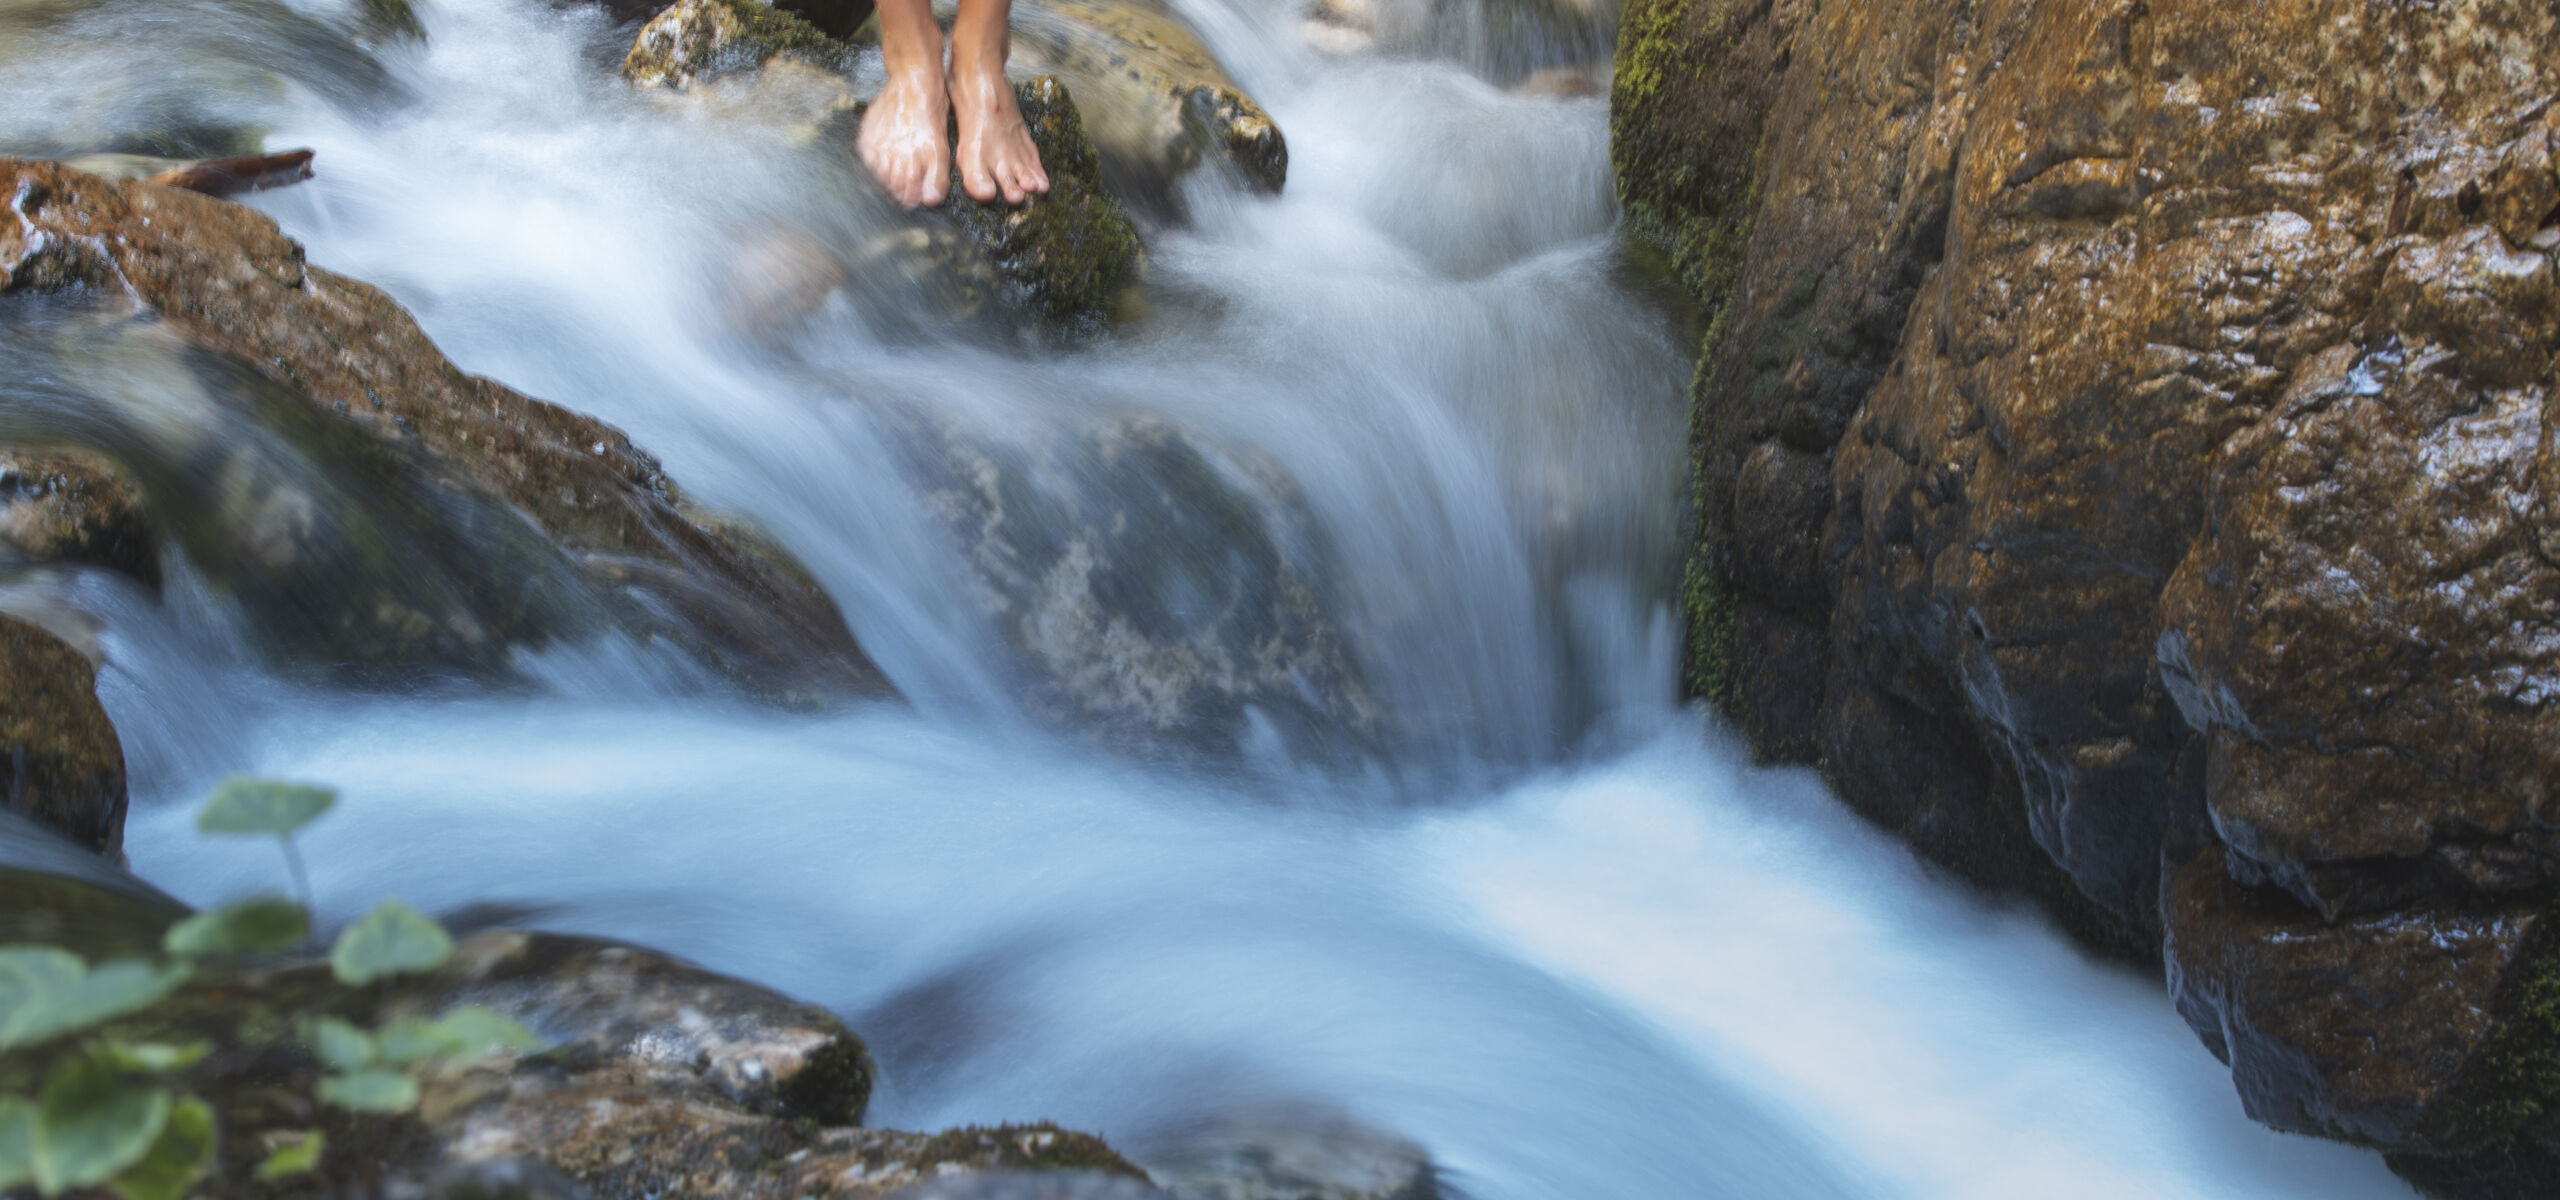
x=73, y=508
x=445, y=482
x=696, y=41
x=1159, y=105
x=2134, y=416
x=1288, y=1152
x=60, y=762
x=656, y=1078
x=1163, y=596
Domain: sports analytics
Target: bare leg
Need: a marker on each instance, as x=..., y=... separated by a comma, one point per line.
x=995, y=153
x=902, y=140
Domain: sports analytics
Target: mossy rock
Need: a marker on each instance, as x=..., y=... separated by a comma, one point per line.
x=1068, y=257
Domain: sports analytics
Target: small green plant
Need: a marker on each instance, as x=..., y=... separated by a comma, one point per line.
x=116, y=1113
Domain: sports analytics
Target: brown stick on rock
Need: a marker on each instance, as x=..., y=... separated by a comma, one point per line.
x=232, y=176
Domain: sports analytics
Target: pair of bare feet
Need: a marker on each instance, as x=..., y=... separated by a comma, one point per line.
x=904, y=135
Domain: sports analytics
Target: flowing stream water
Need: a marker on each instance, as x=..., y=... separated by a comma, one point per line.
x=1556, y=932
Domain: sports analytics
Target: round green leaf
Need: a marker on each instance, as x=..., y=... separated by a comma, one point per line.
x=17, y=1142
x=45, y=993
x=177, y=1160
x=466, y=1032
x=409, y=1040
x=294, y=1157
x=371, y=1090
x=243, y=805
x=92, y=1123
x=339, y=1044
x=152, y=1058
x=472, y=1030
x=262, y=925
x=33, y=979
x=391, y=940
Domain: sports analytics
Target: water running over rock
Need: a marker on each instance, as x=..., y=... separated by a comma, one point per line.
x=1445, y=866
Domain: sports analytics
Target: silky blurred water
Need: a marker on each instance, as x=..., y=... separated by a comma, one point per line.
x=1553, y=929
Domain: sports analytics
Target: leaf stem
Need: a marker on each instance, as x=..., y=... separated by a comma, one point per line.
x=301, y=880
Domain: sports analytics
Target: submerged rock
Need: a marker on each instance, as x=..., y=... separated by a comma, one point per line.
x=57, y=892
x=1016, y=1185
x=60, y=761
x=1156, y=102
x=2137, y=417
x=207, y=77
x=1165, y=597
x=1289, y=1152
x=391, y=513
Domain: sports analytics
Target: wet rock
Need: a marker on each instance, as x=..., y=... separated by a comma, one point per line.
x=595, y=1001
x=657, y=1078
x=209, y=75
x=842, y=20
x=1290, y=1153
x=2386, y=1029
x=1055, y=1185
x=1068, y=256
x=1156, y=102
x=1340, y=27
x=235, y=176
x=417, y=485
x=60, y=762
x=1060, y=264
x=59, y=892
x=696, y=41
x=212, y=176
x=2176, y=385
x=73, y=508
x=1163, y=595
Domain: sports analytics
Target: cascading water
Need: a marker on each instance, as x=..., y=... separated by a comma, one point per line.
x=1541, y=924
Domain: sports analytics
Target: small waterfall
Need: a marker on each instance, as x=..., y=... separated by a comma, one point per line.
x=1525, y=911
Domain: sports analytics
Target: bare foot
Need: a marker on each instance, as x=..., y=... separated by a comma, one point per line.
x=995, y=153
x=902, y=132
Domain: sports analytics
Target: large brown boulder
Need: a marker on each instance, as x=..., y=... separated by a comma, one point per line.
x=373, y=509
x=2133, y=416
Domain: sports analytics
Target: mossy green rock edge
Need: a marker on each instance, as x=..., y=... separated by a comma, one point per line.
x=1688, y=164
x=1068, y=257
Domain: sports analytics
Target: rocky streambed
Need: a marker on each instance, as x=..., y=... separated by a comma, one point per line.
x=1172, y=686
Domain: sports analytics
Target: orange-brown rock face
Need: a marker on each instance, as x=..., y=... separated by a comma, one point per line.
x=2134, y=415
x=466, y=520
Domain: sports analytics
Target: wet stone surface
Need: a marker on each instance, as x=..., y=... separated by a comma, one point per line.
x=353, y=490
x=2137, y=417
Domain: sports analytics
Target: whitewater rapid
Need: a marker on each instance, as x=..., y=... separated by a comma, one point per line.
x=1561, y=936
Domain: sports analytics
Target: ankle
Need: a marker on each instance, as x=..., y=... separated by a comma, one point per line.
x=977, y=57
x=913, y=57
